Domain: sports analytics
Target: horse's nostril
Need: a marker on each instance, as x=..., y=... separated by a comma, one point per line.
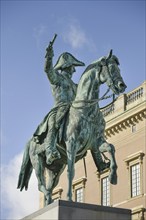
x=121, y=84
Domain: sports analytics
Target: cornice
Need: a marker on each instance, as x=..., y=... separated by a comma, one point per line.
x=126, y=111
x=126, y=119
x=80, y=181
x=136, y=156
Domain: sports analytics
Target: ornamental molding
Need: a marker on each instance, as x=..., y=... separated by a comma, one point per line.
x=57, y=192
x=124, y=124
x=79, y=182
x=138, y=157
x=102, y=174
x=139, y=210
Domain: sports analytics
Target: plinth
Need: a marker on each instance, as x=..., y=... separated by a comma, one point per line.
x=64, y=210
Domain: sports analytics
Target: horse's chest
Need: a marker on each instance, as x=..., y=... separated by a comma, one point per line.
x=81, y=128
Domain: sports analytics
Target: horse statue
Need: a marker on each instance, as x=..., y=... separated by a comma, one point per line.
x=83, y=130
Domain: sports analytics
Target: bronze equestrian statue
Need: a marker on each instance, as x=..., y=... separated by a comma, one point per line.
x=74, y=125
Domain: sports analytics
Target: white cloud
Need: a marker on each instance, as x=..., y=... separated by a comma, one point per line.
x=39, y=31
x=75, y=36
x=16, y=204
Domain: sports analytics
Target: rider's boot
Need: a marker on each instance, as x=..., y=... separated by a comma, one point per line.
x=51, y=152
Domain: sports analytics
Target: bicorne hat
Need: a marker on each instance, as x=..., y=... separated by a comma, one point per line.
x=66, y=60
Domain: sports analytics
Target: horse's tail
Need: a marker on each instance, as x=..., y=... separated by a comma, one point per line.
x=26, y=170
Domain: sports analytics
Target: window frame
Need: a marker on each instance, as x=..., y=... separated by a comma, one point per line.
x=108, y=191
x=78, y=184
x=135, y=180
x=80, y=194
x=133, y=128
x=57, y=193
x=130, y=161
x=100, y=176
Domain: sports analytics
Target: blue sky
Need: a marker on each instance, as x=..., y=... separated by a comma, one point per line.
x=88, y=30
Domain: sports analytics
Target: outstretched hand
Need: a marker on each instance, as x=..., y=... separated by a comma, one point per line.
x=49, y=49
x=49, y=52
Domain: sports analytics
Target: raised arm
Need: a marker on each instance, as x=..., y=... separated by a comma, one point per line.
x=51, y=73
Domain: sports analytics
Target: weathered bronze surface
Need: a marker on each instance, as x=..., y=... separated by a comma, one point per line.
x=74, y=125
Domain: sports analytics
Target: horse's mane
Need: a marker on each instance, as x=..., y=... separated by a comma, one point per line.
x=97, y=63
x=91, y=66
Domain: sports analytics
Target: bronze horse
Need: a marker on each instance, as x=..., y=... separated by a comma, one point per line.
x=83, y=130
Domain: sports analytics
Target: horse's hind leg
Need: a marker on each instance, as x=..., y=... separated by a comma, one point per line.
x=41, y=181
x=106, y=147
x=53, y=179
x=39, y=168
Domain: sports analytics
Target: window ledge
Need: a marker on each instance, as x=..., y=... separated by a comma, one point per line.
x=135, y=197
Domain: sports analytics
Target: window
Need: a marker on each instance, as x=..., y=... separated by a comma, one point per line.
x=79, y=195
x=56, y=195
x=134, y=165
x=105, y=187
x=135, y=180
x=133, y=128
x=138, y=212
x=105, y=192
x=79, y=189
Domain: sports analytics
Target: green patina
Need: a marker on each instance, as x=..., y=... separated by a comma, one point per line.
x=74, y=125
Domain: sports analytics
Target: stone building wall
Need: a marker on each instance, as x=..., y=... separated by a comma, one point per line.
x=126, y=130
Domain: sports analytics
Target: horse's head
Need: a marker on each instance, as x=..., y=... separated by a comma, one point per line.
x=110, y=73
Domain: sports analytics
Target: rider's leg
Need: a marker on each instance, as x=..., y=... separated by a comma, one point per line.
x=51, y=152
x=50, y=142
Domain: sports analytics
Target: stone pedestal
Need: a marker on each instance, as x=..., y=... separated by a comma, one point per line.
x=64, y=210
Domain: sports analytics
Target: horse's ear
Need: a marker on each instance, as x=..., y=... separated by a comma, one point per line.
x=109, y=55
x=103, y=61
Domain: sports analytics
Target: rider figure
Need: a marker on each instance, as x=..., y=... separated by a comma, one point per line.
x=64, y=91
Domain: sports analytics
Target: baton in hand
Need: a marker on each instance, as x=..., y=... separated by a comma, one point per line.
x=50, y=45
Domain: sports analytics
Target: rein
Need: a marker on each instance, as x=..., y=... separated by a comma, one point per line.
x=93, y=101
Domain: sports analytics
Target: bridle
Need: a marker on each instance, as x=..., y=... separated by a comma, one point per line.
x=89, y=103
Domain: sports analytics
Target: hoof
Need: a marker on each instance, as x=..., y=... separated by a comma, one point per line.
x=113, y=179
x=70, y=200
x=48, y=201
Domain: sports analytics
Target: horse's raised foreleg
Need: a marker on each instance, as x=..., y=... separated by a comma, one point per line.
x=106, y=147
x=71, y=154
x=100, y=164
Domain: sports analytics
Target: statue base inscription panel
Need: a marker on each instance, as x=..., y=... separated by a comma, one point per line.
x=64, y=210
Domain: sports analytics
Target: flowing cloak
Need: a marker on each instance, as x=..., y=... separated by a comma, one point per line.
x=59, y=112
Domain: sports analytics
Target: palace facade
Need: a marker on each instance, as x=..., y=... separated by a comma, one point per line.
x=126, y=130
